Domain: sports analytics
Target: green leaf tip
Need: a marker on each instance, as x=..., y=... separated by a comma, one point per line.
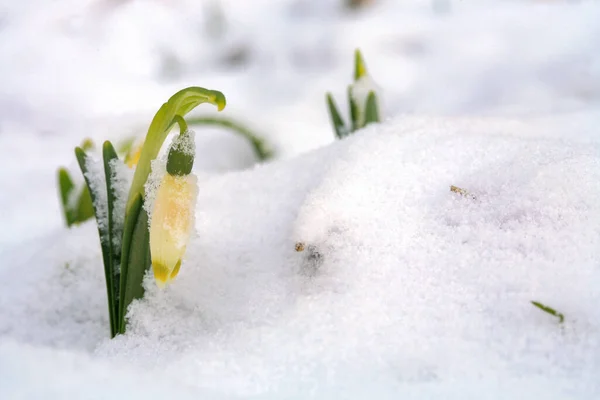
x=83, y=209
x=219, y=100
x=371, y=109
x=336, y=119
x=180, y=104
x=550, y=311
x=360, y=68
x=66, y=185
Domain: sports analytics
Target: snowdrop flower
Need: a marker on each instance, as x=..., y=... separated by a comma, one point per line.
x=173, y=210
x=361, y=90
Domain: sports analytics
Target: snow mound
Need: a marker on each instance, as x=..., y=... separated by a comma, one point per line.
x=65, y=375
x=403, y=286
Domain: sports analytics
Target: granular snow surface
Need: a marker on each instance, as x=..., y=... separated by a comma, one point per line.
x=402, y=288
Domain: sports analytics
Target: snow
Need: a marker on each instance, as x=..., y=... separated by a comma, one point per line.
x=360, y=92
x=158, y=169
x=96, y=176
x=121, y=178
x=184, y=143
x=401, y=288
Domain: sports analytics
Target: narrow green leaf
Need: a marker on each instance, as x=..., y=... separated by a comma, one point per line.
x=85, y=207
x=135, y=258
x=371, y=109
x=360, y=68
x=180, y=103
x=550, y=311
x=111, y=270
x=66, y=185
x=336, y=119
x=261, y=149
x=354, y=112
x=102, y=229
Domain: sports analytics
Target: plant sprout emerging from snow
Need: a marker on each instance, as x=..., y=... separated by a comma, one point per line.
x=550, y=311
x=118, y=204
x=362, y=99
x=75, y=198
x=173, y=209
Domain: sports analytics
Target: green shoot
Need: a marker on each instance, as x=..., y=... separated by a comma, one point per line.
x=135, y=245
x=362, y=110
x=111, y=270
x=550, y=311
x=66, y=186
x=126, y=249
x=338, y=123
x=360, y=68
x=76, y=209
x=260, y=147
x=371, y=109
x=103, y=232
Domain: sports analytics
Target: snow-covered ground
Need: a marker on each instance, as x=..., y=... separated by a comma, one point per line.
x=405, y=289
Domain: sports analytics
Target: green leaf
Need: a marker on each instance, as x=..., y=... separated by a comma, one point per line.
x=103, y=230
x=135, y=258
x=550, y=311
x=336, y=119
x=261, y=149
x=354, y=112
x=180, y=103
x=85, y=207
x=371, y=109
x=66, y=185
x=360, y=68
x=80, y=212
x=111, y=271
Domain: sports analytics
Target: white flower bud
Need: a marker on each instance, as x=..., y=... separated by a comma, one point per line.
x=171, y=225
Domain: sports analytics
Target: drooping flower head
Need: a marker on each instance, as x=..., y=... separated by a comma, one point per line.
x=173, y=210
